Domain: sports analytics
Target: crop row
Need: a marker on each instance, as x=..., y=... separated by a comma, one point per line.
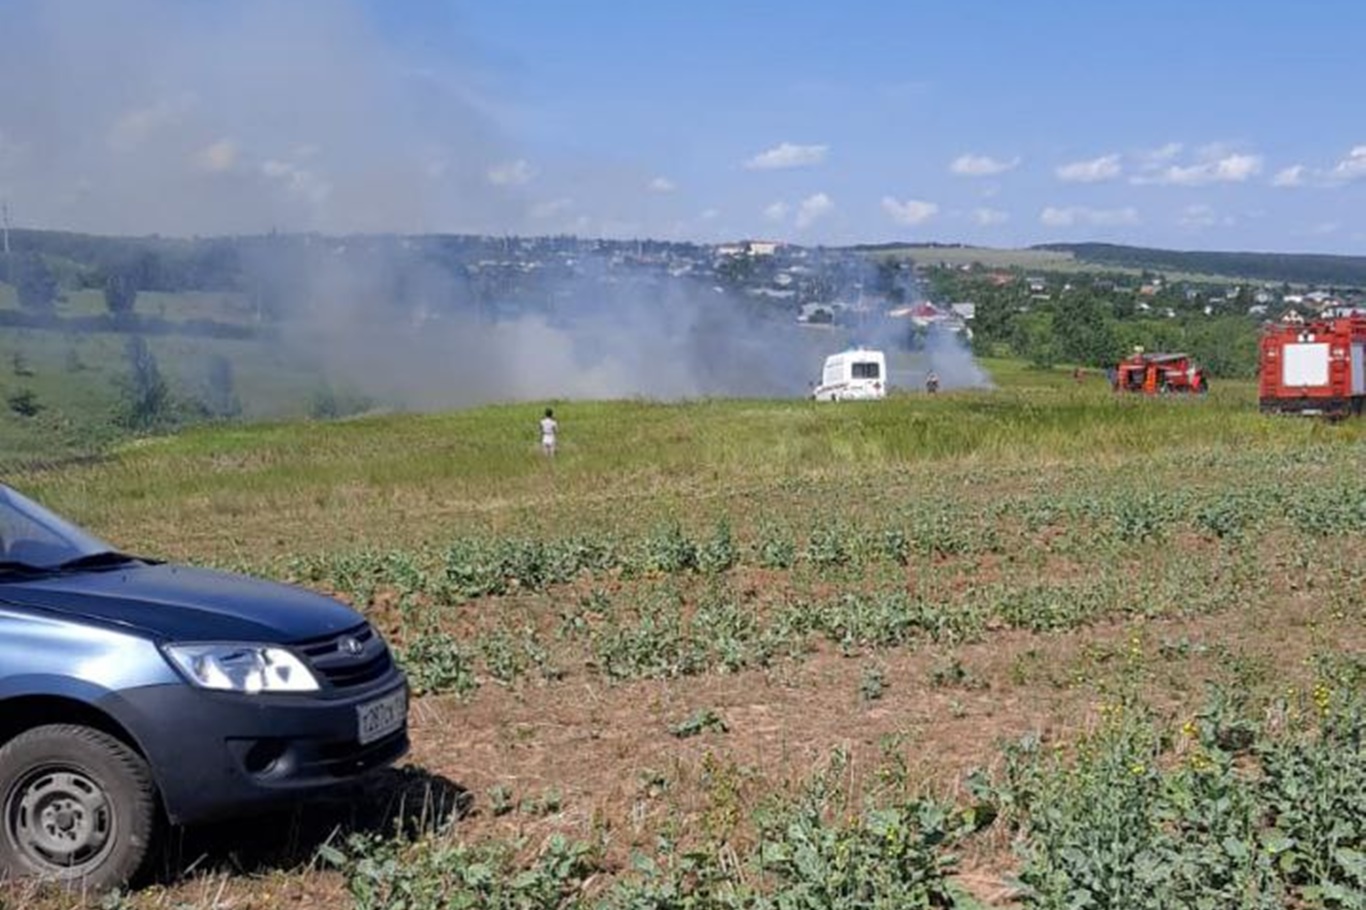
x=1235, y=807
x=1233, y=810
x=663, y=631
x=1085, y=525
x=894, y=855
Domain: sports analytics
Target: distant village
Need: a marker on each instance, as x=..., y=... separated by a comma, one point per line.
x=1157, y=296
x=828, y=287
x=817, y=287
x=266, y=278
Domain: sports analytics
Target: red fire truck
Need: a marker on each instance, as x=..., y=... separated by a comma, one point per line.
x=1159, y=374
x=1315, y=366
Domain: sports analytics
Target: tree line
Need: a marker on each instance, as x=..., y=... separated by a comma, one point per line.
x=1089, y=321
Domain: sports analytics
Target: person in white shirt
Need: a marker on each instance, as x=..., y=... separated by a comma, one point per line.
x=548, y=430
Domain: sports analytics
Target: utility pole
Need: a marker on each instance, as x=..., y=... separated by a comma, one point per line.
x=4, y=231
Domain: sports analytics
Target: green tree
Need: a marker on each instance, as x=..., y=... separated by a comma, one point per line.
x=25, y=403
x=120, y=293
x=221, y=388
x=34, y=283
x=147, y=399
x=1084, y=333
x=1035, y=339
x=1226, y=346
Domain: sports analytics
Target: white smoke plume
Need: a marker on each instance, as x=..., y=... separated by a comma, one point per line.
x=165, y=117
x=913, y=353
x=157, y=116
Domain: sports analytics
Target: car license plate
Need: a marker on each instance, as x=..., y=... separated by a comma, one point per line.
x=382, y=716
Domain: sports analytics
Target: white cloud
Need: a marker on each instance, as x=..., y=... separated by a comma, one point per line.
x=1214, y=168
x=909, y=212
x=1348, y=169
x=1106, y=167
x=787, y=155
x=1069, y=216
x=981, y=165
x=813, y=208
x=988, y=217
x=711, y=214
x=777, y=211
x=300, y=182
x=1160, y=155
x=1198, y=216
x=217, y=158
x=1353, y=167
x=662, y=185
x=1295, y=175
x=1203, y=216
x=550, y=208
x=134, y=127
x=511, y=173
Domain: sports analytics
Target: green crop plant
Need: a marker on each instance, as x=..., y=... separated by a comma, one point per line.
x=436, y=663
x=774, y=548
x=828, y=546
x=719, y=553
x=872, y=683
x=702, y=720
x=438, y=874
x=668, y=549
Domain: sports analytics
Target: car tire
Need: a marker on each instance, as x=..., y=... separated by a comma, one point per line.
x=77, y=808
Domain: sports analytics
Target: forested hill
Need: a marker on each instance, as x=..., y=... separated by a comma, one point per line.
x=1296, y=268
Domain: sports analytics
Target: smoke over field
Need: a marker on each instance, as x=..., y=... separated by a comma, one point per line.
x=634, y=339
x=368, y=156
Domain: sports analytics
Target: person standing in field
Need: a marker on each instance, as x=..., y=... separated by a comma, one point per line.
x=549, y=428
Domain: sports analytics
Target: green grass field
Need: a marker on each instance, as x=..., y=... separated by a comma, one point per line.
x=77, y=380
x=179, y=307
x=484, y=465
x=1035, y=260
x=990, y=257
x=1033, y=646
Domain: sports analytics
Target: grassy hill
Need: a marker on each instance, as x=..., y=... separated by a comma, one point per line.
x=1192, y=265
x=1293, y=268
x=712, y=625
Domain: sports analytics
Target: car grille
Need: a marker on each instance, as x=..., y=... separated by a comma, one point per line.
x=346, y=669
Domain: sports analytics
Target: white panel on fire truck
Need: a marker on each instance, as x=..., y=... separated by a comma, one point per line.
x=1359, y=369
x=1305, y=365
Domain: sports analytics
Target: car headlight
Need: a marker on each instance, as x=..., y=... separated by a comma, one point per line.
x=242, y=667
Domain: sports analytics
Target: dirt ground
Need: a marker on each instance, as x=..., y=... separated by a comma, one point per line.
x=598, y=761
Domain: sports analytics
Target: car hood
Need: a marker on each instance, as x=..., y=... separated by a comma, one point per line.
x=179, y=603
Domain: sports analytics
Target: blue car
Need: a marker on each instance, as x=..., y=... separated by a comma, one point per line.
x=136, y=694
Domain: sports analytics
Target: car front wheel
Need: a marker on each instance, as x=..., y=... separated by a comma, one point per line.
x=79, y=807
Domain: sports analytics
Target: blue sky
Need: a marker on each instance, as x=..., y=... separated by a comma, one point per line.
x=1193, y=125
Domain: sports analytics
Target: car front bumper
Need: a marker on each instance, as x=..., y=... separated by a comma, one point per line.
x=216, y=755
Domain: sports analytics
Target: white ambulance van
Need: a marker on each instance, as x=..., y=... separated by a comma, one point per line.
x=854, y=375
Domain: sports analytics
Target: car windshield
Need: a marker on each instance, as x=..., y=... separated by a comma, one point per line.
x=32, y=536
